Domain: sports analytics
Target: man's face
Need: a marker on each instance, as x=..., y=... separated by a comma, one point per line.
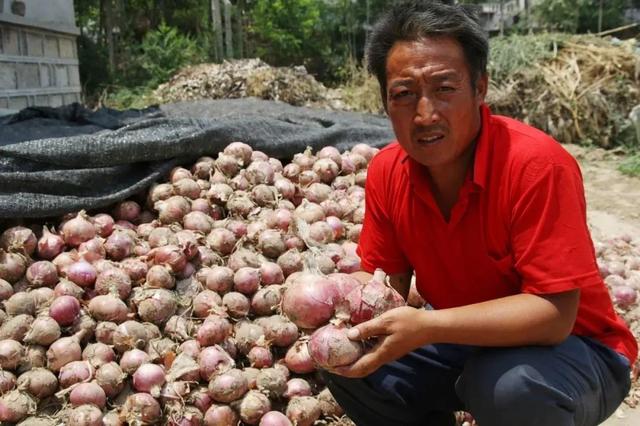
x=433, y=106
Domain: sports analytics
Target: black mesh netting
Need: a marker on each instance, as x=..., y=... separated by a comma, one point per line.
x=57, y=160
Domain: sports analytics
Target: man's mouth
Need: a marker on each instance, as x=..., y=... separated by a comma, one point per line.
x=430, y=139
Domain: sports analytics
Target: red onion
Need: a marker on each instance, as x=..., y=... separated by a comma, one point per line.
x=272, y=382
x=303, y=410
x=228, y=386
x=82, y=273
x=246, y=280
x=78, y=230
x=275, y=418
x=6, y=290
x=266, y=300
x=214, y=330
x=298, y=358
x=206, y=302
x=92, y=250
x=149, y=378
x=213, y=360
x=308, y=300
x=19, y=239
x=44, y=331
x=15, y=406
x=110, y=378
x=67, y=288
x=113, y=281
x=50, y=245
x=253, y=406
x=65, y=310
x=20, y=303
x=173, y=209
x=7, y=381
x=142, y=408
x=108, y=308
x=127, y=210
x=88, y=393
x=624, y=296
x=219, y=279
x=119, y=245
x=260, y=357
x=171, y=256
x=221, y=415
x=297, y=387
x=156, y=305
x=237, y=304
x=160, y=276
x=198, y=221
x=12, y=266
x=290, y=261
x=131, y=360
x=11, y=353
x=75, y=372
x=348, y=264
x=260, y=172
x=372, y=299
x=330, y=347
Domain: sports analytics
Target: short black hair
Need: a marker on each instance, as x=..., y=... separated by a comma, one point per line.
x=414, y=20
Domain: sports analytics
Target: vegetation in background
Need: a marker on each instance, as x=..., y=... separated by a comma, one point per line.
x=631, y=165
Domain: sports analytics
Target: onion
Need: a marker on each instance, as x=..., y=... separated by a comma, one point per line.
x=15, y=406
x=328, y=404
x=127, y=210
x=7, y=381
x=119, y=245
x=6, y=291
x=88, y=393
x=44, y=331
x=92, y=250
x=65, y=310
x=248, y=335
x=110, y=378
x=228, y=386
x=253, y=406
x=75, y=372
x=103, y=223
x=214, y=330
x=221, y=415
x=82, y=273
x=98, y=354
x=115, y=282
x=266, y=300
x=260, y=357
x=85, y=415
x=20, y=303
x=278, y=330
x=133, y=359
x=173, y=209
x=78, y=230
x=219, y=279
x=275, y=418
x=272, y=382
x=236, y=304
x=246, y=280
x=149, y=378
x=308, y=300
x=260, y=172
x=39, y=382
x=624, y=296
x=373, y=299
x=297, y=387
x=141, y=408
x=214, y=360
x=330, y=347
x=11, y=353
x=298, y=358
x=12, y=266
x=303, y=410
x=19, y=239
x=49, y=245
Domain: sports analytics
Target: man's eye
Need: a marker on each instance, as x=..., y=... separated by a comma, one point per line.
x=401, y=94
x=446, y=89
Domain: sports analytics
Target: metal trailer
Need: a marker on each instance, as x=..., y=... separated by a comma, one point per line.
x=38, y=54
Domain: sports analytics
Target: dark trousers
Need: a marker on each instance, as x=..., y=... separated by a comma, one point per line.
x=578, y=382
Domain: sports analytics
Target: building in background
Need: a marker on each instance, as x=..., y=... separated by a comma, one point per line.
x=38, y=54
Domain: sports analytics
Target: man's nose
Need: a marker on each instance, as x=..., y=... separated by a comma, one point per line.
x=426, y=111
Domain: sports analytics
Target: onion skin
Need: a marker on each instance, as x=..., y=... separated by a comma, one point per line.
x=330, y=347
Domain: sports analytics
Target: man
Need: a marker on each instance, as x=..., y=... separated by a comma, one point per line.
x=490, y=215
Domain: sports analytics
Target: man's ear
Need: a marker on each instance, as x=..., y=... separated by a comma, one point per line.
x=482, y=86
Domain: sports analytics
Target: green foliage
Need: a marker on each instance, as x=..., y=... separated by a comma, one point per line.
x=287, y=31
x=515, y=53
x=160, y=54
x=579, y=16
x=631, y=165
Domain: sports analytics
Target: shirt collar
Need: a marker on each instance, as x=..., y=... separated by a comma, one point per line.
x=481, y=155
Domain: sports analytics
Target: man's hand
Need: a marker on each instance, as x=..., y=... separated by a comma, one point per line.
x=399, y=331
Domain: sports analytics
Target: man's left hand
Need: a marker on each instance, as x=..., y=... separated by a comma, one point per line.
x=399, y=331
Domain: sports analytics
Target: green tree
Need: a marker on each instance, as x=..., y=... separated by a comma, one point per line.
x=579, y=16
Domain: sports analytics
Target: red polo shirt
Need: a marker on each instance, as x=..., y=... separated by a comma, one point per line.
x=519, y=226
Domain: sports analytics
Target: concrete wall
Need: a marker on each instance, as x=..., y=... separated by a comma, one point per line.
x=38, y=54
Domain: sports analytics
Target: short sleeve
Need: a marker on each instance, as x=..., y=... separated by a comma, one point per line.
x=551, y=241
x=378, y=246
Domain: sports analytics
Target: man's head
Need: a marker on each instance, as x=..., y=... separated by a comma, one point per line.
x=414, y=20
x=430, y=59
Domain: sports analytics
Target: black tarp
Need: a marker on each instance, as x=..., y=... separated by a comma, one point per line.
x=58, y=160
